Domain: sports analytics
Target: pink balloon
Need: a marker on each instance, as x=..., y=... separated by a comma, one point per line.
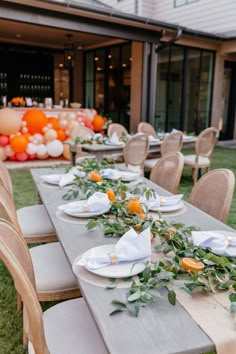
x=32, y=156
x=4, y=140
x=21, y=156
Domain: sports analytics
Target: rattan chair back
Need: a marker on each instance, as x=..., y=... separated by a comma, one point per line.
x=167, y=171
x=5, y=178
x=118, y=128
x=213, y=193
x=146, y=128
x=10, y=248
x=81, y=132
x=136, y=150
x=172, y=143
x=205, y=142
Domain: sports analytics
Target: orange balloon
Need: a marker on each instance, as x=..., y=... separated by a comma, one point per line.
x=54, y=122
x=61, y=135
x=36, y=120
x=98, y=122
x=19, y=143
x=27, y=135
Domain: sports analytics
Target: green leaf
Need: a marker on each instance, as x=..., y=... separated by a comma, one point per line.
x=233, y=307
x=113, y=285
x=92, y=224
x=172, y=297
x=117, y=310
x=118, y=302
x=135, y=296
x=134, y=309
x=232, y=297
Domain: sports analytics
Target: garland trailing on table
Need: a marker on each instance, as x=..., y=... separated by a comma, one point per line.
x=180, y=263
x=98, y=139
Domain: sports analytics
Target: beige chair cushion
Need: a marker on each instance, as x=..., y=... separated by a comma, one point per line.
x=150, y=163
x=52, y=269
x=34, y=221
x=191, y=160
x=70, y=329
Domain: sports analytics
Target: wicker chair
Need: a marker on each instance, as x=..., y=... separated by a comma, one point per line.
x=146, y=128
x=213, y=193
x=34, y=221
x=81, y=132
x=54, y=278
x=167, y=171
x=172, y=143
x=135, y=152
x=118, y=128
x=203, y=149
x=65, y=328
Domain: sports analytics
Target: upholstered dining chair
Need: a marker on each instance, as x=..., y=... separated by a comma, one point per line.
x=213, y=193
x=204, y=146
x=135, y=152
x=65, y=328
x=54, y=279
x=34, y=221
x=118, y=128
x=146, y=128
x=167, y=171
x=172, y=143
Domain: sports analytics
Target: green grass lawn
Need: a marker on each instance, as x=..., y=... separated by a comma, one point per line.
x=25, y=194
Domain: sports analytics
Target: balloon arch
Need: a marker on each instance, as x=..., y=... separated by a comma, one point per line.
x=36, y=136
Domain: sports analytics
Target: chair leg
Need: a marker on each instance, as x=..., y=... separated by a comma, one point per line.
x=19, y=303
x=195, y=174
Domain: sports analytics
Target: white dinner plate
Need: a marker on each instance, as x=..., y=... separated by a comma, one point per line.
x=169, y=208
x=129, y=176
x=120, y=270
x=82, y=214
x=119, y=143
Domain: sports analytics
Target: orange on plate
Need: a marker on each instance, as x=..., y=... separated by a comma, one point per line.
x=94, y=176
x=134, y=206
x=111, y=195
x=192, y=264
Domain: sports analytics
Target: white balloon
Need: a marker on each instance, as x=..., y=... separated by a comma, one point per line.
x=50, y=135
x=55, y=148
x=38, y=137
x=9, y=150
x=24, y=130
x=62, y=115
x=31, y=149
x=62, y=123
x=71, y=116
x=41, y=149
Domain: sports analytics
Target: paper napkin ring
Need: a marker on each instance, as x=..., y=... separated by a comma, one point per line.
x=85, y=208
x=113, y=257
x=162, y=202
x=229, y=239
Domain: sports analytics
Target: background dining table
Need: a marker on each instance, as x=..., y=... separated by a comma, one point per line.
x=160, y=327
x=101, y=150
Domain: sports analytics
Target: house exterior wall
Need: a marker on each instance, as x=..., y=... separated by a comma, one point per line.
x=210, y=16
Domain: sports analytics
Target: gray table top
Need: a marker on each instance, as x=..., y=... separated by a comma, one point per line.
x=160, y=328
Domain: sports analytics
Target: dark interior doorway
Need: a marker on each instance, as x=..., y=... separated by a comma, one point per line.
x=229, y=97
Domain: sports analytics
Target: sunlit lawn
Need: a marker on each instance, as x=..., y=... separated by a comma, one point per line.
x=25, y=194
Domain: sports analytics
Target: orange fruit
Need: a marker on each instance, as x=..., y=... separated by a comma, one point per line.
x=134, y=206
x=94, y=176
x=142, y=216
x=171, y=229
x=192, y=264
x=111, y=195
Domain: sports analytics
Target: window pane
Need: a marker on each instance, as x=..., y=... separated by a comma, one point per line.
x=175, y=88
x=162, y=87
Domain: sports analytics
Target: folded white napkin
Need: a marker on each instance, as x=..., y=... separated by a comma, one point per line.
x=130, y=247
x=110, y=173
x=219, y=243
x=156, y=201
x=114, y=140
x=64, y=178
x=97, y=202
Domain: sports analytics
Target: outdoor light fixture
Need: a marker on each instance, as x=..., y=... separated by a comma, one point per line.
x=68, y=52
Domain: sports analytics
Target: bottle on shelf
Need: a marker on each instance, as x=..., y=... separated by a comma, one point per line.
x=61, y=101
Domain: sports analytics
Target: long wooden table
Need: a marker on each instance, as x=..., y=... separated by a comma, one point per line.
x=160, y=328
x=101, y=150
